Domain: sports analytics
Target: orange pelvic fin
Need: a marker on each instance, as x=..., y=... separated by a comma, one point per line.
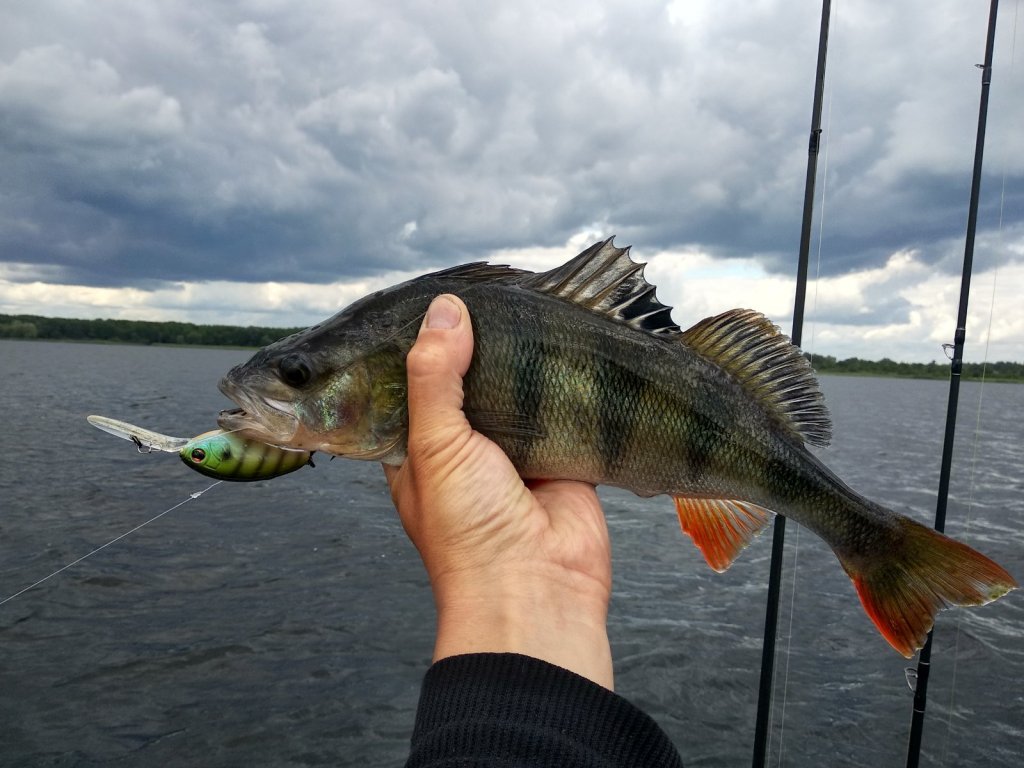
x=721, y=528
x=928, y=571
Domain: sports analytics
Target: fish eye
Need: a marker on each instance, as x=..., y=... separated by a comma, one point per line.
x=198, y=455
x=295, y=370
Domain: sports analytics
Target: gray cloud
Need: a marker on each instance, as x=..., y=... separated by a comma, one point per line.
x=270, y=141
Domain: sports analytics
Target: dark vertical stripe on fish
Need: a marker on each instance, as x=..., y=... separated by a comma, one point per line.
x=528, y=392
x=620, y=394
x=709, y=448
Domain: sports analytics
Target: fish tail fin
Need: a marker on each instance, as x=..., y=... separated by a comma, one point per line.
x=927, y=571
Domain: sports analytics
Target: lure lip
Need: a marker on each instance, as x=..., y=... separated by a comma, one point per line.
x=143, y=438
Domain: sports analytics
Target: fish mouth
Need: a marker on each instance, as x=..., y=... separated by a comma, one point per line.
x=258, y=417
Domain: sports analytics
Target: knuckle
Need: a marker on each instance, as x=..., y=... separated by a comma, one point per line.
x=425, y=358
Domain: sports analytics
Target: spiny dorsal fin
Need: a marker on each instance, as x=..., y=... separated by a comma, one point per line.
x=605, y=280
x=746, y=344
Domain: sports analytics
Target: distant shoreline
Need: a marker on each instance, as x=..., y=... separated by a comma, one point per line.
x=120, y=343
x=142, y=332
x=176, y=334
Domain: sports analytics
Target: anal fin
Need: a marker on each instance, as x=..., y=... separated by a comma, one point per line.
x=721, y=528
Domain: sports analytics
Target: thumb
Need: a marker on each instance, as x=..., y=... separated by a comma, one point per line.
x=435, y=367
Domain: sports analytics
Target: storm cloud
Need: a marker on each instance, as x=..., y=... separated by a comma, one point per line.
x=269, y=141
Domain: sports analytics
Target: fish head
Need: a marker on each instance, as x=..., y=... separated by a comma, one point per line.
x=337, y=388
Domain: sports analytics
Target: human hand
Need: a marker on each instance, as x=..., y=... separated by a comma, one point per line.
x=515, y=567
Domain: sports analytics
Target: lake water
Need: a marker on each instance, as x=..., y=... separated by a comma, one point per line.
x=289, y=622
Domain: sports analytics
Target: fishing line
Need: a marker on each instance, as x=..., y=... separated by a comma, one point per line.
x=769, y=648
x=972, y=477
x=787, y=654
x=191, y=496
x=956, y=369
x=827, y=133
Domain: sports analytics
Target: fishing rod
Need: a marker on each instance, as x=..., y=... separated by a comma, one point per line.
x=771, y=619
x=956, y=365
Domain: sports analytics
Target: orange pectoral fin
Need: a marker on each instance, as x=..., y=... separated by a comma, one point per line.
x=721, y=528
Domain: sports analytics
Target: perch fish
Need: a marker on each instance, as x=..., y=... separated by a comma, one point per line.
x=579, y=373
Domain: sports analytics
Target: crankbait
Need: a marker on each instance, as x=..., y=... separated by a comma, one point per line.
x=217, y=454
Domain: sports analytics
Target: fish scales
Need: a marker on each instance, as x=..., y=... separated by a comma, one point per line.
x=574, y=377
x=600, y=399
x=591, y=415
x=579, y=373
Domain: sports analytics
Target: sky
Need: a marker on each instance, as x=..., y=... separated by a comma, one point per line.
x=268, y=162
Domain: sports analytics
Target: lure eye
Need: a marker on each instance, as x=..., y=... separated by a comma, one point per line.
x=198, y=455
x=295, y=370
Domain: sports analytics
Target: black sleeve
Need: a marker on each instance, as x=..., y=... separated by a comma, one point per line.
x=513, y=711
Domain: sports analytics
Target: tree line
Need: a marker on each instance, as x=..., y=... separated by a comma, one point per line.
x=137, y=331
x=145, y=332
x=933, y=370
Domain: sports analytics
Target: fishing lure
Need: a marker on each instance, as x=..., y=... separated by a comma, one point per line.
x=217, y=454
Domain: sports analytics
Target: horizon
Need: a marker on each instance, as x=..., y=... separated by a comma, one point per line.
x=285, y=330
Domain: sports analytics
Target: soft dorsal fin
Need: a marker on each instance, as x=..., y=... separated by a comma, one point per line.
x=605, y=280
x=746, y=344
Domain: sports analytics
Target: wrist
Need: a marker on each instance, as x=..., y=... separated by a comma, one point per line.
x=559, y=618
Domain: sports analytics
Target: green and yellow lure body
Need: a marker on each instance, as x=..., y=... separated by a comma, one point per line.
x=227, y=456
